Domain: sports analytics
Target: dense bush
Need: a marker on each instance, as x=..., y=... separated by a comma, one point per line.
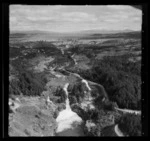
x=47, y=47
x=61, y=60
x=31, y=55
x=120, y=78
x=130, y=124
x=94, y=131
x=76, y=93
x=28, y=84
x=42, y=44
x=76, y=49
x=13, y=88
x=19, y=65
x=81, y=113
x=72, y=99
x=61, y=93
x=14, y=52
x=61, y=107
x=92, y=114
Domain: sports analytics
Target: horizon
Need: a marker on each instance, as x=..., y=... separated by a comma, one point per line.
x=69, y=19
x=74, y=32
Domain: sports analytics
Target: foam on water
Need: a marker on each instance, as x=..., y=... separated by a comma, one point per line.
x=86, y=83
x=67, y=117
x=65, y=120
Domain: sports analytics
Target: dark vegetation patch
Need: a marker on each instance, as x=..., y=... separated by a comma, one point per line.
x=59, y=92
x=42, y=46
x=61, y=60
x=83, y=50
x=130, y=124
x=28, y=84
x=76, y=93
x=14, y=52
x=109, y=131
x=101, y=119
x=47, y=47
x=31, y=55
x=129, y=35
x=120, y=78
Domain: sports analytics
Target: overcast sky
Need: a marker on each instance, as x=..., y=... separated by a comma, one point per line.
x=74, y=18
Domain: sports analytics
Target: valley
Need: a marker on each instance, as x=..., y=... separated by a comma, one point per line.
x=75, y=85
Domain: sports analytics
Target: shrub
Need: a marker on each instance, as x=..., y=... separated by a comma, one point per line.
x=130, y=124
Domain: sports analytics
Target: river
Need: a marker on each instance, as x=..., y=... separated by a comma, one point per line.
x=69, y=123
x=119, y=109
x=117, y=130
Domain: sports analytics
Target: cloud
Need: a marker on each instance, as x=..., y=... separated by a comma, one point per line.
x=78, y=17
x=73, y=18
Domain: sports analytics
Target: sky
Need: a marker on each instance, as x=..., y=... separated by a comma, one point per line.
x=65, y=18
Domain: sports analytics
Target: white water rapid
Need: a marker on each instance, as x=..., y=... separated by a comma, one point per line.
x=119, y=109
x=86, y=83
x=129, y=111
x=67, y=118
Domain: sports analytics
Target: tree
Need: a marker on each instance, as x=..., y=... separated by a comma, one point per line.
x=120, y=78
x=61, y=93
x=72, y=99
x=130, y=124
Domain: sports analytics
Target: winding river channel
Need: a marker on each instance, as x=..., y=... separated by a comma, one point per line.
x=119, y=109
x=69, y=123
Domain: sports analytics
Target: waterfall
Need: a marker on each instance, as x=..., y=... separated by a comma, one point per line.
x=129, y=111
x=74, y=59
x=67, y=100
x=67, y=117
x=86, y=83
x=119, y=109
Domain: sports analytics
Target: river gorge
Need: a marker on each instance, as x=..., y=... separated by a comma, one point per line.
x=69, y=123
